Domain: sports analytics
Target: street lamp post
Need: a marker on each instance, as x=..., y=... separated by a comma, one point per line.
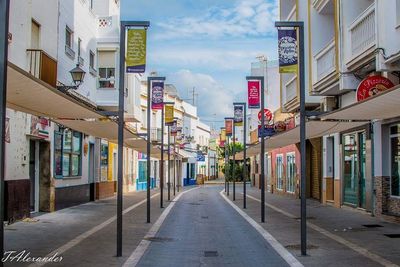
x=244, y=149
x=227, y=150
x=169, y=154
x=148, y=151
x=4, y=18
x=303, y=214
x=262, y=176
x=124, y=25
x=234, y=160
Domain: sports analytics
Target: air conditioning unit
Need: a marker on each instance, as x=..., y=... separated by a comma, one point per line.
x=328, y=103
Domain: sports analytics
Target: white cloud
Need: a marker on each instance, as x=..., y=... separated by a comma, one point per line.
x=212, y=98
x=247, y=17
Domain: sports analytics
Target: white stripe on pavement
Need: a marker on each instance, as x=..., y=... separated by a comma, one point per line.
x=138, y=253
x=88, y=233
x=363, y=251
x=283, y=252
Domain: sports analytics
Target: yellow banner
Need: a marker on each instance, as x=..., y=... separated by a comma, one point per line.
x=136, y=51
x=223, y=135
x=169, y=114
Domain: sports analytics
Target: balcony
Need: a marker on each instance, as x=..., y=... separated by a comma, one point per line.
x=42, y=66
x=362, y=35
x=155, y=135
x=291, y=99
x=324, y=67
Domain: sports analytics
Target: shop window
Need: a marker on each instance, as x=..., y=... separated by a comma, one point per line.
x=279, y=172
x=68, y=153
x=290, y=172
x=104, y=161
x=395, y=160
x=193, y=170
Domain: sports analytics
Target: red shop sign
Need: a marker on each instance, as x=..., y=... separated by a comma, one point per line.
x=372, y=85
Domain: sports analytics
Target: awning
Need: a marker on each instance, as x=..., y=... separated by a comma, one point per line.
x=382, y=106
x=28, y=94
x=186, y=154
x=314, y=129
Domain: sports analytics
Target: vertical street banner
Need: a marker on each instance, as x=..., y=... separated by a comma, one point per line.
x=238, y=115
x=223, y=135
x=228, y=127
x=253, y=89
x=157, y=95
x=169, y=115
x=174, y=128
x=287, y=50
x=136, y=51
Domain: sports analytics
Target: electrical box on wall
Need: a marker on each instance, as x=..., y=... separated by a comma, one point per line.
x=24, y=160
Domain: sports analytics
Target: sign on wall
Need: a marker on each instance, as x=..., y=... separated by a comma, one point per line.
x=157, y=95
x=373, y=85
x=136, y=51
x=287, y=51
x=238, y=115
x=174, y=128
x=253, y=94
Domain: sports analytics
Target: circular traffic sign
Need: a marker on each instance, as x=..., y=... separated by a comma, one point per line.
x=267, y=115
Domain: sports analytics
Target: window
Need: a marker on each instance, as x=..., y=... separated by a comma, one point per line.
x=68, y=37
x=80, y=59
x=106, y=61
x=68, y=153
x=193, y=170
x=279, y=172
x=290, y=172
x=91, y=59
x=395, y=160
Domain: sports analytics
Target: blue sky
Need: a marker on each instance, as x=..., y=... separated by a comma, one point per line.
x=207, y=44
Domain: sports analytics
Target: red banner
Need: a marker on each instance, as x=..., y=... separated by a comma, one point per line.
x=253, y=88
x=228, y=127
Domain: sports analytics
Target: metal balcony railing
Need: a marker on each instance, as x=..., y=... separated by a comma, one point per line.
x=362, y=31
x=325, y=61
x=42, y=66
x=291, y=89
x=155, y=134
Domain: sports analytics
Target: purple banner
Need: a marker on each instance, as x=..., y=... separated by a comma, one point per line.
x=157, y=95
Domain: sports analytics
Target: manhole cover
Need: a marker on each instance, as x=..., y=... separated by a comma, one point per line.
x=372, y=225
x=158, y=239
x=10, y=229
x=211, y=253
x=298, y=247
x=204, y=217
x=392, y=235
x=194, y=204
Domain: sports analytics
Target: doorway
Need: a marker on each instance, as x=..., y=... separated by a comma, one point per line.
x=91, y=181
x=34, y=175
x=354, y=169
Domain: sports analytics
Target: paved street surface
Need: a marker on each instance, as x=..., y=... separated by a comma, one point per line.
x=204, y=230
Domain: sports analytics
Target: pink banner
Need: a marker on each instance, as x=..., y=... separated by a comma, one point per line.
x=253, y=94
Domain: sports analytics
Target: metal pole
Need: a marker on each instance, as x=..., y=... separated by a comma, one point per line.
x=244, y=156
x=262, y=130
x=303, y=149
x=162, y=160
x=303, y=142
x=234, y=161
x=174, y=166
x=148, y=147
x=262, y=153
x=169, y=163
x=4, y=15
x=120, y=138
x=227, y=162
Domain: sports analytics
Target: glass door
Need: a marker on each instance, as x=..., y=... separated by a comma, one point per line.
x=350, y=168
x=362, y=167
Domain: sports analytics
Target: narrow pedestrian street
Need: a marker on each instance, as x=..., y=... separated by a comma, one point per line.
x=204, y=230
